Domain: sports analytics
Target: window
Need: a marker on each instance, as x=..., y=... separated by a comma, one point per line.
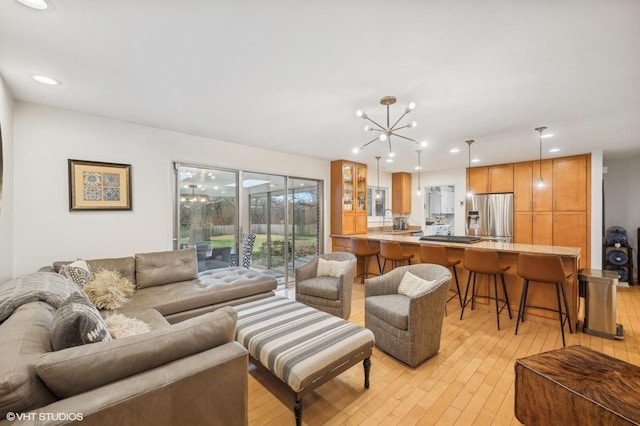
x=376, y=201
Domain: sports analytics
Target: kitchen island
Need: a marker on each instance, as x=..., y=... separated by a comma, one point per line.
x=540, y=295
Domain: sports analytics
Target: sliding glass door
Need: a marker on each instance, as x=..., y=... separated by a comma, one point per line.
x=207, y=214
x=283, y=213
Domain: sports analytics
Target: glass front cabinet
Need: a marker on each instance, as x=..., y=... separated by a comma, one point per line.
x=348, y=198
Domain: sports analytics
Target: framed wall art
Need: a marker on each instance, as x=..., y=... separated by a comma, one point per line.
x=99, y=186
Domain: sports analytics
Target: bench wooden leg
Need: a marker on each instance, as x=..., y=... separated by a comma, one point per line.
x=297, y=409
x=367, y=368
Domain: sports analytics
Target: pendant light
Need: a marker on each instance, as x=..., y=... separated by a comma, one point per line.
x=378, y=186
x=469, y=191
x=419, y=168
x=540, y=183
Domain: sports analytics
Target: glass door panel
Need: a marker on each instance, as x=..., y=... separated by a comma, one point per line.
x=361, y=188
x=304, y=221
x=267, y=220
x=207, y=214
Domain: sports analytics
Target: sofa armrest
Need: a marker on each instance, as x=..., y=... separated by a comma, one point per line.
x=208, y=388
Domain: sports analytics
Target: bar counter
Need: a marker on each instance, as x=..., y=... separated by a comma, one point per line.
x=539, y=294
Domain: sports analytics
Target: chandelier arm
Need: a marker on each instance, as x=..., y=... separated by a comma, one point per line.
x=404, y=137
x=371, y=141
x=381, y=127
x=403, y=127
x=397, y=121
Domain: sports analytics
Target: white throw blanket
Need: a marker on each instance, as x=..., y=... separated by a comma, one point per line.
x=48, y=287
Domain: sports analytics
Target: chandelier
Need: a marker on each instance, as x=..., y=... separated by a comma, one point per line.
x=386, y=132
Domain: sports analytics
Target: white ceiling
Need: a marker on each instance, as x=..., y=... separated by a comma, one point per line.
x=288, y=75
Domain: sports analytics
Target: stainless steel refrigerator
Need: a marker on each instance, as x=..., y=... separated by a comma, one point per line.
x=490, y=216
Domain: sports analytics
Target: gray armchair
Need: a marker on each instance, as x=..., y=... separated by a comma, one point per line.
x=328, y=294
x=408, y=329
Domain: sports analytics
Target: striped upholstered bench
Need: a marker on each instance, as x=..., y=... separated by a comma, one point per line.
x=300, y=345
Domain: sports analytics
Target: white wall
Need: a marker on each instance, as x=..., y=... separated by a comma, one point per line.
x=46, y=137
x=622, y=199
x=6, y=200
x=596, y=210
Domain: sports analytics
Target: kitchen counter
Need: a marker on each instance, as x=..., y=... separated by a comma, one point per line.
x=541, y=295
x=488, y=245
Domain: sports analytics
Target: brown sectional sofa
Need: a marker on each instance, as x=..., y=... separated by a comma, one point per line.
x=187, y=370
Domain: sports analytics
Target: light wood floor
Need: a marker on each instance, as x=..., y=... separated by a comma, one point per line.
x=470, y=380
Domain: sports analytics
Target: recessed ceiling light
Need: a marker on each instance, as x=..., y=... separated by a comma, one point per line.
x=46, y=80
x=554, y=150
x=475, y=160
x=547, y=135
x=37, y=4
x=454, y=150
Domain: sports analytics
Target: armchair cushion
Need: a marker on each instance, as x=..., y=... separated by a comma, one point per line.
x=324, y=287
x=391, y=308
x=413, y=286
x=331, y=268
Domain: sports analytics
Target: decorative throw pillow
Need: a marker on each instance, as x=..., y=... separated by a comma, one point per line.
x=413, y=286
x=108, y=290
x=79, y=272
x=76, y=323
x=331, y=268
x=122, y=326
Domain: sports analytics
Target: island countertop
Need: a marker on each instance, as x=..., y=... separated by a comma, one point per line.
x=485, y=244
x=541, y=295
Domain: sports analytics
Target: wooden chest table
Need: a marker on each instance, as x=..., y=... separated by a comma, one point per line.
x=576, y=386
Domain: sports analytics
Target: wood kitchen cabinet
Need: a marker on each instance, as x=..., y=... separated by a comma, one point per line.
x=348, y=197
x=533, y=228
x=570, y=230
x=570, y=183
x=522, y=186
x=401, y=193
x=490, y=179
x=542, y=198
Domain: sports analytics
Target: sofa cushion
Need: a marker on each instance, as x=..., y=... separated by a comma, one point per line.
x=24, y=337
x=123, y=326
x=165, y=267
x=108, y=290
x=77, y=322
x=331, y=268
x=79, y=272
x=81, y=368
x=125, y=265
x=414, y=286
x=211, y=288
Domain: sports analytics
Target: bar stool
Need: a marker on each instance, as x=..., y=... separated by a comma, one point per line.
x=485, y=262
x=546, y=269
x=391, y=250
x=361, y=249
x=438, y=255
